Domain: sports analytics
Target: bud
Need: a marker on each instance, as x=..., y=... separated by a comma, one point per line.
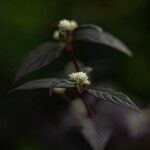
x=73, y=25
x=65, y=28
x=59, y=90
x=56, y=35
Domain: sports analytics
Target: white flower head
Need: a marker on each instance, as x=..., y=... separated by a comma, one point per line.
x=67, y=25
x=80, y=78
x=73, y=25
x=56, y=35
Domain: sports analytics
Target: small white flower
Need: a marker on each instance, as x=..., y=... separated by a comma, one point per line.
x=64, y=24
x=56, y=35
x=79, y=78
x=73, y=25
x=67, y=25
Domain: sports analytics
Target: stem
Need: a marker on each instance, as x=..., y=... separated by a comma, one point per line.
x=65, y=98
x=70, y=50
x=75, y=62
x=91, y=114
x=82, y=96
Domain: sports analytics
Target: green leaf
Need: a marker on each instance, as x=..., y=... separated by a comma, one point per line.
x=111, y=96
x=43, y=55
x=45, y=83
x=96, y=34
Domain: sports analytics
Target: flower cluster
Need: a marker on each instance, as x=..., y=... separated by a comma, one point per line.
x=65, y=27
x=79, y=78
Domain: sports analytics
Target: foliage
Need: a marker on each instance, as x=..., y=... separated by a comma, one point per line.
x=66, y=34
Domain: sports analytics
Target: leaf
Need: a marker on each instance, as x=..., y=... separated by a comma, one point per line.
x=111, y=96
x=87, y=70
x=97, y=133
x=40, y=57
x=45, y=83
x=93, y=33
x=60, y=83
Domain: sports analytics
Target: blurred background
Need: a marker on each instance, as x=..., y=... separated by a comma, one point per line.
x=27, y=118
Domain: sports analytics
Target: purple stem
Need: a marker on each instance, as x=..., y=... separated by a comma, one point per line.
x=70, y=50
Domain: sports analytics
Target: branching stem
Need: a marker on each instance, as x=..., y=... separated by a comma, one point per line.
x=91, y=114
x=70, y=50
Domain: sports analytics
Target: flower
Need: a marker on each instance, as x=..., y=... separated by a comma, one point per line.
x=80, y=78
x=67, y=25
x=73, y=25
x=56, y=35
x=65, y=28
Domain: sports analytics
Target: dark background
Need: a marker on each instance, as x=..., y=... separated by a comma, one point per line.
x=25, y=24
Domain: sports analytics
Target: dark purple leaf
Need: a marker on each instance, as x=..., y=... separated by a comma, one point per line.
x=111, y=96
x=87, y=70
x=45, y=83
x=97, y=133
x=93, y=33
x=40, y=57
x=60, y=83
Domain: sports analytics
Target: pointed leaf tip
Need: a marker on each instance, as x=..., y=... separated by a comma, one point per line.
x=96, y=34
x=111, y=96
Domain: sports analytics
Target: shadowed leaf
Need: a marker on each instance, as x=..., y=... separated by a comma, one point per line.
x=111, y=96
x=93, y=33
x=87, y=70
x=45, y=83
x=40, y=57
x=96, y=133
x=60, y=83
